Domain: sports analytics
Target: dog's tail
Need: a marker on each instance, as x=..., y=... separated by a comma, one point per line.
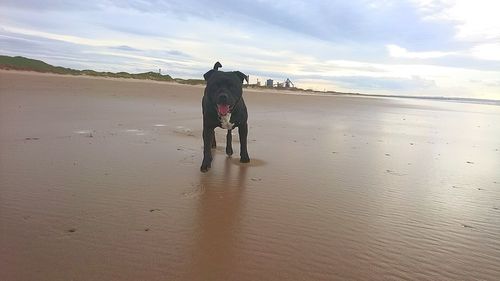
x=207, y=75
x=217, y=65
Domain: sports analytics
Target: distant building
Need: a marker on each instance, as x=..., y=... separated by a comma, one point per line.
x=269, y=83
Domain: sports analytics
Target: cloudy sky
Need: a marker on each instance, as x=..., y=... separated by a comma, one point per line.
x=413, y=47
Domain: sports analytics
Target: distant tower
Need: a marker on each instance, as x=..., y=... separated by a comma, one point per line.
x=159, y=71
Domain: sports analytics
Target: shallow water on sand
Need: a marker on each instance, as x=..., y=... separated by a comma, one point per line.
x=339, y=188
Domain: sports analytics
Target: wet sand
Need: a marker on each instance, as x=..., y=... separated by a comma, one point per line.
x=100, y=181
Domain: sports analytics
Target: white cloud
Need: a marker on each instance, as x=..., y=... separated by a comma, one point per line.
x=400, y=52
x=62, y=37
x=487, y=51
x=476, y=20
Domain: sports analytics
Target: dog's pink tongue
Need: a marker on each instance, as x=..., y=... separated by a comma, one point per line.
x=223, y=109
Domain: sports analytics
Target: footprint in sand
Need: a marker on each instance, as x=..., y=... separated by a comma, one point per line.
x=183, y=131
x=136, y=131
x=85, y=133
x=197, y=190
x=188, y=160
x=394, y=173
x=132, y=130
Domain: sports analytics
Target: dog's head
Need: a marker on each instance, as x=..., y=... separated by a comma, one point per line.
x=224, y=89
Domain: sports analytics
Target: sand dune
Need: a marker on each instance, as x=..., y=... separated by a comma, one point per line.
x=100, y=181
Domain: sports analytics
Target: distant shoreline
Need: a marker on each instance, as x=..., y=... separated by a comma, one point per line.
x=23, y=64
x=33, y=72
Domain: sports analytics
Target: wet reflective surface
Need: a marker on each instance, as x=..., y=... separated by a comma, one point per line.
x=338, y=188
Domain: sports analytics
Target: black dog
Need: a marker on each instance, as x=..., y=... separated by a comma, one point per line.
x=223, y=106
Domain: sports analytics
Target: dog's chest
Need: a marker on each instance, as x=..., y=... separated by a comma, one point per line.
x=225, y=122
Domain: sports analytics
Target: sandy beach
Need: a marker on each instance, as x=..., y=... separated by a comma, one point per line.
x=100, y=180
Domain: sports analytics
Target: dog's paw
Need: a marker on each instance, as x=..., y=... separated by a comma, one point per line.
x=204, y=168
x=244, y=159
x=229, y=151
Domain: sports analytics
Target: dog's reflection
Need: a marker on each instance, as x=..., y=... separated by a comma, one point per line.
x=218, y=220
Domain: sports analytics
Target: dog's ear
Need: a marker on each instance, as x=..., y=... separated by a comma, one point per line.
x=241, y=75
x=209, y=74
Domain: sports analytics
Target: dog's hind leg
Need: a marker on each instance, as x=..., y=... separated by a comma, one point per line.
x=229, y=143
x=243, y=132
x=214, y=142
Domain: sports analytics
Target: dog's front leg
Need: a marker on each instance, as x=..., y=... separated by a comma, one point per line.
x=214, y=142
x=208, y=135
x=229, y=144
x=243, y=132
